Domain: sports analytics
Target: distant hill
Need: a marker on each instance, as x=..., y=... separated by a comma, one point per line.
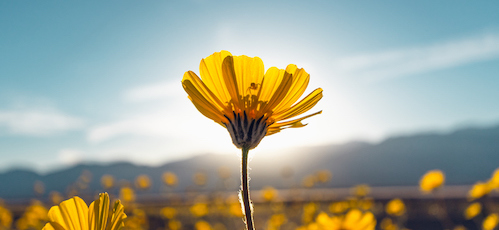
x=466, y=156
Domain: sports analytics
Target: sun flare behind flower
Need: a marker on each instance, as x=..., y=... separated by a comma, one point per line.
x=234, y=92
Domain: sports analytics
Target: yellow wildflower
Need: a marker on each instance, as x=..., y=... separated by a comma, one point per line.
x=127, y=194
x=170, y=179
x=202, y=225
x=490, y=221
x=200, y=178
x=143, y=182
x=269, y=193
x=353, y=220
x=361, y=190
x=324, y=176
x=168, y=212
x=473, y=210
x=432, y=180
x=234, y=92
x=395, y=207
x=6, y=217
x=199, y=209
x=478, y=190
x=74, y=214
x=494, y=180
x=107, y=181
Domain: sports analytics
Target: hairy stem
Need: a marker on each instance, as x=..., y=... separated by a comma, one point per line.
x=248, y=210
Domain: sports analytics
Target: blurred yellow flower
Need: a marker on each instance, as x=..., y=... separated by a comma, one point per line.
x=234, y=92
x=490, y=222
x=361, y=190
x=202, y=225
x=137, y=221
x=107, y=181
x=473, y=210
x=6, y=217
x=478, y=190
x=339, y=207
x=324, y=176
x=174, y=225
x=200, y=178
x=34, y=217
x=199, y=209
x=309, y=181
x=432, y=180
x=127, y=194
x=170, y=179
x=395, y=207
x=269, y=193
x=168, y=212
x=143, y=182
x=74, y=214
x=353, y=220
x=387, y=224
x=276, y=221
x=494, y=180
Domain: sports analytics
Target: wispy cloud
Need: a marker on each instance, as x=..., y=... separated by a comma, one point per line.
x=401, y=62
x=37, y=122
x=162, y=90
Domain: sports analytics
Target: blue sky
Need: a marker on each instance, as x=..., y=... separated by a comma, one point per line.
x=100, y=81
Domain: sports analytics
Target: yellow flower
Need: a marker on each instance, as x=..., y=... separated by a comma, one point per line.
x=202, y=225
x=234, y=92
x=478, y=190
x=168, y=212
x=472, y=210
x=353, y=220
x=170, y=179
x=199, y=209
x=361, y=190
x=5, y=217
x=395, y=207
x=324, y=176
x=143, y=182
x=269, y=193
x=431, y=180
x=494, y=180
x=107, y=181
x=127, y=194
x=490, y=221
x=74, y=214
x=338, y=207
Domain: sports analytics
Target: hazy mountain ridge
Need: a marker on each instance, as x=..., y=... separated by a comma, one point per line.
x=466, y=156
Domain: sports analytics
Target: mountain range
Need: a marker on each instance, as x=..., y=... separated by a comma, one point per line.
x=465, y=156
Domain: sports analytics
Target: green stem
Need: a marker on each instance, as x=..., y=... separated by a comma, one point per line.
x=248, y=211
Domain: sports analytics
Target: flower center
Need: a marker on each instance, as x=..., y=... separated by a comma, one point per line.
x=246, y=132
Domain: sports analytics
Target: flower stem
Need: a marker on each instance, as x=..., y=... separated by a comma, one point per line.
x=248, y=210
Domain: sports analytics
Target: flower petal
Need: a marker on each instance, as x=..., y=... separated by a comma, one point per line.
x=277, y=92
x=300, y=83
x=71, y=214
x=98, y=212
x=304, y=105
x=296, y=123
x=118, y=217
x=211, y=72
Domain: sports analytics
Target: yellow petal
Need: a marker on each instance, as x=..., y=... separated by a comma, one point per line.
x=248, y=70
x=192, y=84
x=98, y=212
x=71, y=214
x=300, y=83
x=296, y=123
x=118, y=217
x=211, y=72
x=278, y=91
x=304, y=105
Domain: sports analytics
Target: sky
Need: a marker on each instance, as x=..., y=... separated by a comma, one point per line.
x=100, y=81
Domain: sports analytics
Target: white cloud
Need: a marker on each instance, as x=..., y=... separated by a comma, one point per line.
x=396, y=63
x=70, y=156
x=37, y=122
x=153, y=92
